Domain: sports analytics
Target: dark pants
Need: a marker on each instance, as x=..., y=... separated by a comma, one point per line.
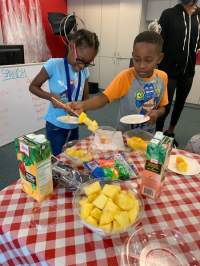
x=59, y=136
x=182, y=87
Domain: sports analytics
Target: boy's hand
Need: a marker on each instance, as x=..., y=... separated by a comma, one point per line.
x=153, y=114
x=77, y=107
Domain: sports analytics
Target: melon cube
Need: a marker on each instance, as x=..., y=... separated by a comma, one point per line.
x=106, y=227
x=122, y=218
x=106, y=217
x=111, y=190
x=85, y=210
x=100, y=201
x=96, y=213
x=91, y=220
x=93, y=188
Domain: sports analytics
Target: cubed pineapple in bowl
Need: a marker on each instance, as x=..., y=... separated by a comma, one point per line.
x=108, y=208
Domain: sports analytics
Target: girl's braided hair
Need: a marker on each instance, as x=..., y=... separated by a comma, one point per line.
x=85, y=37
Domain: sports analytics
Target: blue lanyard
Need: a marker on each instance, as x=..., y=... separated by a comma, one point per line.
x=69, y=86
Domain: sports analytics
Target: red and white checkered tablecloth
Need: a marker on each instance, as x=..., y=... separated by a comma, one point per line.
x=48, y=233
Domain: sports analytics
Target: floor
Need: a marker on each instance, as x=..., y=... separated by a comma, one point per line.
x=189, y=125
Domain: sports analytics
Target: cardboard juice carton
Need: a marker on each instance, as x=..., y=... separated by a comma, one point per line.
x=157, y=158
x=34, y=162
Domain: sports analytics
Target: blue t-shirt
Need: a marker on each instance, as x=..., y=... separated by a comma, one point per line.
x=58, y=85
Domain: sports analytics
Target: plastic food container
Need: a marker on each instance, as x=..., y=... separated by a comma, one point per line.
x=76, y=154
x=138, y=139
x=156, y=247
x=104, y=135
x=129, y=186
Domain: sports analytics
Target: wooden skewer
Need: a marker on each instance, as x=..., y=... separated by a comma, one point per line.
x=63, y=105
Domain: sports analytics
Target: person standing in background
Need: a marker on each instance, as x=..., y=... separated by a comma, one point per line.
x=180, y=29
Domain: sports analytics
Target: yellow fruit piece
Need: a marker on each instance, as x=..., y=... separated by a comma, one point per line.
x=106, y=227
x=83, y=201
x=181, y=164
x=132, y=214
x=91, y=124
x=116, y=226
x=124, y=201
x=111, y=190
x=106, y=217
x=96, y=213
x=93, y=188
x=111, y=206
x=100, y=201
x=85, y=210
x=92, y=197
x=91, y=220
x=137, y=143
x=122, y=218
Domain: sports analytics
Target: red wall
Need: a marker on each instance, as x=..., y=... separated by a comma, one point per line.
x=54, y=42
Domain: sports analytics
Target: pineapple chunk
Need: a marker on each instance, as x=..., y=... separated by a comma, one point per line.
x=116, y=226
x=111, y=190
x=106, y=217
x=100, y=201
x=111, y=206
x=124, y=202
x=132, y=214
x=122, y=218
x=92, y=197
x=85, y=210
x=106, y=227
x=93, y=188
x=181, y=164
x=91, y=220
x=83, y=201
x=96, y=213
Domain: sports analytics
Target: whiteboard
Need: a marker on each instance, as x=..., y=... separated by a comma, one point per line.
x=20, y=111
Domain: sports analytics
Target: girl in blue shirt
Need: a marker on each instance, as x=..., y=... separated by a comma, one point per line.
x=68, y=81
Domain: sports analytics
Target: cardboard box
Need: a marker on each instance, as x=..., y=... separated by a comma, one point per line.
x=157, y=158
x=34, y=162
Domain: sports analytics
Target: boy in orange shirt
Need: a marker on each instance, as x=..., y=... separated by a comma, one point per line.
x=141, y=89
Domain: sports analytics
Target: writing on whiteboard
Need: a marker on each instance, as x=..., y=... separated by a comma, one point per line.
x=13, y=73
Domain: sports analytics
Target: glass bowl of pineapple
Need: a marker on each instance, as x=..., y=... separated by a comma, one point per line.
x=137, y=139
x=108, y=208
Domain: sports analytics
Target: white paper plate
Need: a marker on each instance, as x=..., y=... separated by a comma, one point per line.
x=68, y=119
x=193, y=165
x=134, y=119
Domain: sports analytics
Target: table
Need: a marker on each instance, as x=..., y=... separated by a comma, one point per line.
x=48, y=233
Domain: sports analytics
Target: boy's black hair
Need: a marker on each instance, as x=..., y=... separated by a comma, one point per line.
x=150, y=37
x=84, y=37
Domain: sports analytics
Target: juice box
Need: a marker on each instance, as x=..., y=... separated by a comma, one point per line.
x=34, y=162
x=157, y=158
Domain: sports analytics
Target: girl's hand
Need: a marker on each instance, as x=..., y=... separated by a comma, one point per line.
x=153, y=114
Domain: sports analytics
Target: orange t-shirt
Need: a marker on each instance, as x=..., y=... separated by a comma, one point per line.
x=121, y=84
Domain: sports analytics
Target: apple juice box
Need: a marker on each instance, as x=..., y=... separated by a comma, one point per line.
x=157, y=158
x=34, y=162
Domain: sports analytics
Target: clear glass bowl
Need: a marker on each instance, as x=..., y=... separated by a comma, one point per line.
x=135, y=144
x=156, y=247
x=125, y=185
x=104, y=135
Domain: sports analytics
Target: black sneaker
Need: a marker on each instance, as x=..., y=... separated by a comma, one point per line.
x=172, y=135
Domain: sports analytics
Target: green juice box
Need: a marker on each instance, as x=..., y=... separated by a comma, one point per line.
x=34, y=163
x=157, y=158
